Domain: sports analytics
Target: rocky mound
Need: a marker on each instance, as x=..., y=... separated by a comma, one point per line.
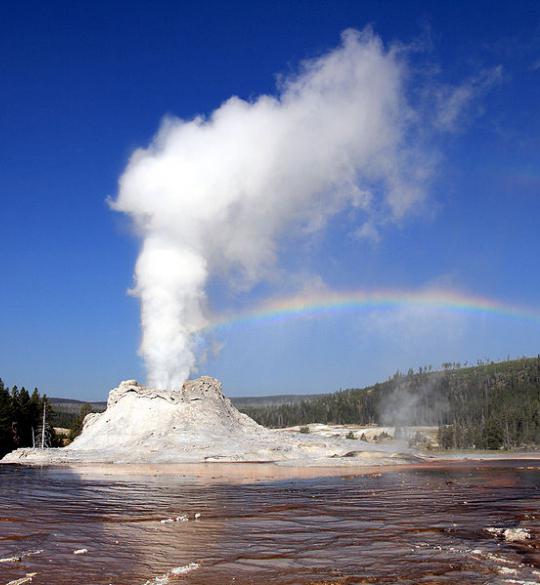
x=148, y=419
x=196, y=424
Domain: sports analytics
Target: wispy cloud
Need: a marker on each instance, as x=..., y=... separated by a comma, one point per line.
x=408, y=328
x=368, y=231
x=455, y=105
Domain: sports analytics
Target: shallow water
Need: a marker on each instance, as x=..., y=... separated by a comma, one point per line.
x=411, y=525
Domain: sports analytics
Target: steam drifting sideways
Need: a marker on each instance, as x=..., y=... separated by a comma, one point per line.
x=211, y=197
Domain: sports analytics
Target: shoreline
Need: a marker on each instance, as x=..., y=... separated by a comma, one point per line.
x=257, y=472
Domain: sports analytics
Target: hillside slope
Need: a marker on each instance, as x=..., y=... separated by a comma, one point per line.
x=489, y=406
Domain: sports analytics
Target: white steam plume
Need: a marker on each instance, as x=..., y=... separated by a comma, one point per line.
x=211, y=196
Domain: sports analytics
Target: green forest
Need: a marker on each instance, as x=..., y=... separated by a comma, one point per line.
x=486, y=406
x=21, y=419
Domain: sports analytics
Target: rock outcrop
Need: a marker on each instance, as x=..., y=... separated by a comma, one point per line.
x=198, y=415
x=196, y=424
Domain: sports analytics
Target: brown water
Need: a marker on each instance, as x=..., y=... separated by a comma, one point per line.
x=410, y=525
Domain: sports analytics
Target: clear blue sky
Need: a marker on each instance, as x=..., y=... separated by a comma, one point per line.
x=83, y=84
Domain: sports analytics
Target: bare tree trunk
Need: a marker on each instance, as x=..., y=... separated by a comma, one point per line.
x=44, y=425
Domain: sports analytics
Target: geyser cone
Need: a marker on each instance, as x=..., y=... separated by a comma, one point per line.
x=145, y=419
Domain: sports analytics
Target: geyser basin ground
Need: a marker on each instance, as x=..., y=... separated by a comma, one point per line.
x=197, y=424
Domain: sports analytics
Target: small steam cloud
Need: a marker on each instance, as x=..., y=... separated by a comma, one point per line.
x=415, y=400
x=212, y=196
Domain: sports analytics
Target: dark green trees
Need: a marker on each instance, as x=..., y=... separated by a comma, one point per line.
x=77, y=425
x=488, y=406
x=20, y=416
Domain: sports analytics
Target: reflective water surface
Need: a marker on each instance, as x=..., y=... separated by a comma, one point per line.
x=409, y=525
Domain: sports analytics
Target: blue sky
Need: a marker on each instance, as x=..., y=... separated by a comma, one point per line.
x=82, y=86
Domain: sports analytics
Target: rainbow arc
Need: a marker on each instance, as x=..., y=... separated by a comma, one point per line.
x=329, y=302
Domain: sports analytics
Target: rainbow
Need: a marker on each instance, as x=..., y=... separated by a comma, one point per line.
x=331, y=302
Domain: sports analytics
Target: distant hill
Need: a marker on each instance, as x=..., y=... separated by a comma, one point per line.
x=490, y=405
x=69, y=405
x=67, y=409
x=273, y=400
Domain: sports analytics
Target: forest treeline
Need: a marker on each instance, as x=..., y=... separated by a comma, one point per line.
x=21, y=418
x=487, y=406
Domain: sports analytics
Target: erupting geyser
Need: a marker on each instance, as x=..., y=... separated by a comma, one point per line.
x=211, y=196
